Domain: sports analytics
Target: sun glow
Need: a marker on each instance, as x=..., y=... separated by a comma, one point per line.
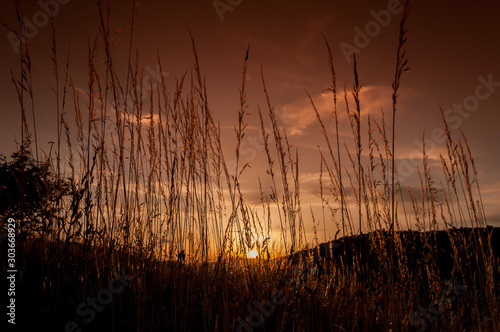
x=252, y=254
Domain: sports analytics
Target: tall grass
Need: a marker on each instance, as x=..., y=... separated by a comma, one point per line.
x=143, y=185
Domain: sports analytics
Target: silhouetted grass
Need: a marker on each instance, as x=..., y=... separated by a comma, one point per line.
x=144, y=188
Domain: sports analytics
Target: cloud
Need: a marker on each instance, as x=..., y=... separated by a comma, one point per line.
x=302, y=117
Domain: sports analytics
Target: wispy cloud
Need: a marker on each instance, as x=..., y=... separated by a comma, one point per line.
x=302, y=115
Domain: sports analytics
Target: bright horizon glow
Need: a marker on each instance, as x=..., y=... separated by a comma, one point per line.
x=252, y=254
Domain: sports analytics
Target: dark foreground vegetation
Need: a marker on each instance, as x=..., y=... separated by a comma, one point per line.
x=341, y=285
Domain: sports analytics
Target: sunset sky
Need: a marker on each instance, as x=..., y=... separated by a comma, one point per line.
x=453, y=49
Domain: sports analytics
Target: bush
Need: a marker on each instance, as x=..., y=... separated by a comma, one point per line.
x=29, y=192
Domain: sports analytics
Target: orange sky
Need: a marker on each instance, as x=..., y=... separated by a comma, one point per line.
x=453, y=47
